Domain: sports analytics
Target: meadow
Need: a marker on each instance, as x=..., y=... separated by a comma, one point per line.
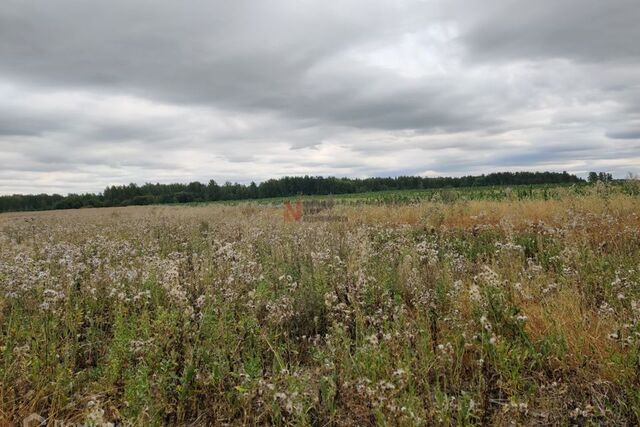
x=517, y=306
x=495, y=193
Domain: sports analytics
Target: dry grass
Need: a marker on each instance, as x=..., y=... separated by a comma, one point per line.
x=468, y=312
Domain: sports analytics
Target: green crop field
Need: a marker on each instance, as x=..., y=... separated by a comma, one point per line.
x=496, y=193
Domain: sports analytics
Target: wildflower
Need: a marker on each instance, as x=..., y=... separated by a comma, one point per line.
x=386, y=385
x=549, y=288
x=200, y=301
x=399, y=372
x=485, y=323
x=372, y=339
x=474, y=293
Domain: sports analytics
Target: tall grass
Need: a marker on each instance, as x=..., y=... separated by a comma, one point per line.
x=451, y=311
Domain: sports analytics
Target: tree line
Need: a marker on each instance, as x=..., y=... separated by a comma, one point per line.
x=133, y=194
x=599, y=177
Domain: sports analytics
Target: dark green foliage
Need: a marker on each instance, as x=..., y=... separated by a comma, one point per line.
x=132, y=194
x=601, y=176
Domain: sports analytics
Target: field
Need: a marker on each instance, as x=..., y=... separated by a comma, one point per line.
x=537, y=191
x=450, y=310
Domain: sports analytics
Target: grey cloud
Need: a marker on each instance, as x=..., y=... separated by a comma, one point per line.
x=624, y=134
x=25, y=123
x=122, y=91
x=247, y=56
x=586, y=30
x=21, y=126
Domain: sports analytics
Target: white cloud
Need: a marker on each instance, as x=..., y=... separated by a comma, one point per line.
x=248, y=91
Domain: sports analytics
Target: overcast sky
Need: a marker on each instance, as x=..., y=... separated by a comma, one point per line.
x=94, y=93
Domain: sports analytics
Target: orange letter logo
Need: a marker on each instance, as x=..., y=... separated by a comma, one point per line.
x=291, y=214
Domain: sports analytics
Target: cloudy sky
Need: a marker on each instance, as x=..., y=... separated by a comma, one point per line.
x=94, y=93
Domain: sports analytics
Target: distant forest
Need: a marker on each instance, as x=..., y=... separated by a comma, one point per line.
x=147, y=194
